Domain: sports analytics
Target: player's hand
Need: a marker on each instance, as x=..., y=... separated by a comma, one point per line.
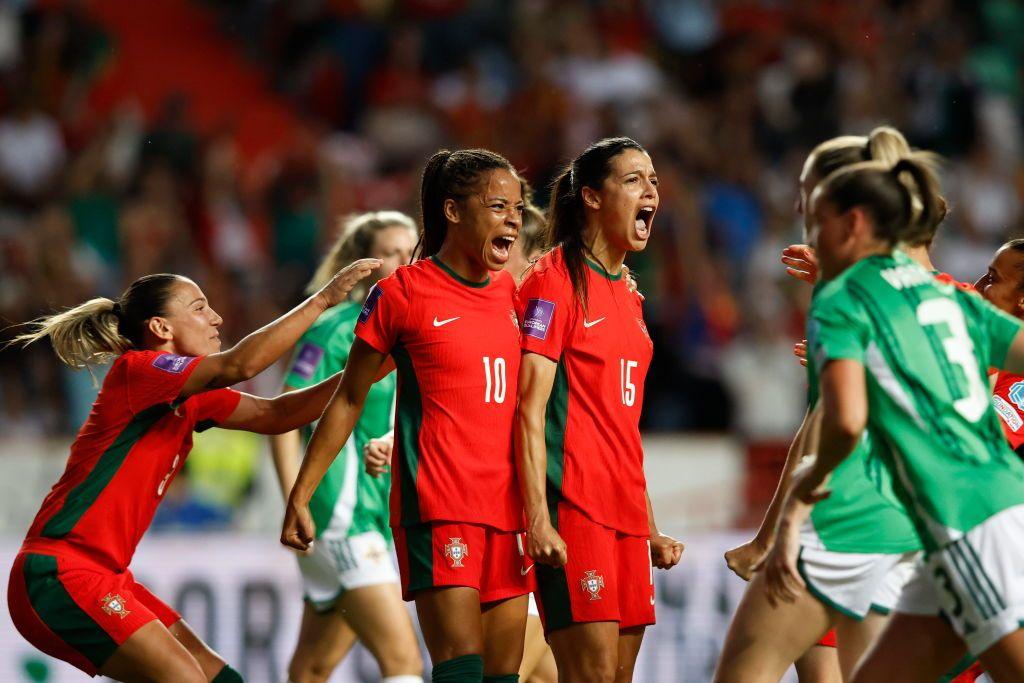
x=377, y=455
x=801, y=262
x=743, y=559
x=782, y=580
x=800, y=351
x=545, y=546
x=631, y=282
x=298, y=529
x=336, y=291
x=665, y=551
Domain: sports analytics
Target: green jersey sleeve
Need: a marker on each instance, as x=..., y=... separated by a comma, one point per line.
x=837, y=329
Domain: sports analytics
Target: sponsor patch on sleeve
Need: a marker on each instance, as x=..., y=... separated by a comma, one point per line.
x=370, y=304
x=1010, y=416
x=169, y=362
x=307, y=360
x=1016, y=394
x=537, y=320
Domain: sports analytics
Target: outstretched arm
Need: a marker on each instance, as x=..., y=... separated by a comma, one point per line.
x=260, y=349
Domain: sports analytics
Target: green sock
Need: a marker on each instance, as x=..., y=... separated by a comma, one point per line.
x=464, y=669
x=228, y=675
x=503, y=678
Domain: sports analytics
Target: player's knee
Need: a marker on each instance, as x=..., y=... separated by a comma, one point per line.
x=309, y=670
x=186, y=672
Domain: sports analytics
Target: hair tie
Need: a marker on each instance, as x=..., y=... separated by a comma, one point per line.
x=572, y=178
x=117, y=310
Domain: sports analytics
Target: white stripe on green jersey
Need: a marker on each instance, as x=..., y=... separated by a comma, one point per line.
x=348, y=501
x=926, y=347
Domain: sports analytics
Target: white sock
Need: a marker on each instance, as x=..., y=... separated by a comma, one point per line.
x=405, y=678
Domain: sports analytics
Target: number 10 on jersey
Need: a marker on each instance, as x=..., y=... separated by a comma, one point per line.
x=494, y=372
x=626, y=386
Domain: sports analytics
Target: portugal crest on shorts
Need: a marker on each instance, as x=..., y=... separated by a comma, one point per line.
x=456, y=551
x=592, y=583
x=114, y=604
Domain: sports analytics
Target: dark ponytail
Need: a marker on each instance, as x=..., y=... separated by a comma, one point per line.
x=450, y=175
x=902, y=198
x=566, y=219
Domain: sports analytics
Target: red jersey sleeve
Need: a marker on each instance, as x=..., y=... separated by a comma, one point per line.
x=547, y=307
x=213, y=407
x=154, y=377
x=1008, y=400
x=383, y=313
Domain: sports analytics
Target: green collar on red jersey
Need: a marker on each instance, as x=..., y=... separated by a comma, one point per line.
x=599, y=269
x=469, y=283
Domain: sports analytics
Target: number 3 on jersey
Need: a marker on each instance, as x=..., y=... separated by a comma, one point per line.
x=626, y=385
x=959, y=351
x=495, y=375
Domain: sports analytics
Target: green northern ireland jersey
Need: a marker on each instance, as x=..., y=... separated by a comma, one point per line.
x=861, y=515
x=926, y=348
x=348, y=501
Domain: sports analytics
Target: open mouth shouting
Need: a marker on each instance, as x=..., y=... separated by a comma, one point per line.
x=642, y=223
x=500, y=247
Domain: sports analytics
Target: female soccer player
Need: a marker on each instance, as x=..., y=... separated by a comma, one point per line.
x=907, y=355
x=448, y=322
x=586, y=351
x=857, y=550
x=71, y=593
x=350, y=584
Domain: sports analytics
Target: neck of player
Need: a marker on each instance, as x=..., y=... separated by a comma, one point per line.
x=602, y=251
x=458, y=260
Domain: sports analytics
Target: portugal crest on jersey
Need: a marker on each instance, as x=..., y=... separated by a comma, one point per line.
x=456, y=551
x=114, y=604
x=592, y=583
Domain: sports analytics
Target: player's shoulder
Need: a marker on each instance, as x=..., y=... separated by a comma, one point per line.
x=135, y=360
x=549, y=270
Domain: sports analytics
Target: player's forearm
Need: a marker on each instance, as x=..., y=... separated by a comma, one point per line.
x=651, y=524
x=257, y=351
x=532, y=461
x=797, y=450
x=298, y=408
x=330, y=435
x=285, y=450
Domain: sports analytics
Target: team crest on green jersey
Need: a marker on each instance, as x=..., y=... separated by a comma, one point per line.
x=114, y=605
x=456, y=551
x=592, y=583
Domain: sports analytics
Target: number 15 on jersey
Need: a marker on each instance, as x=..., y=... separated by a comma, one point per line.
x=626, y=386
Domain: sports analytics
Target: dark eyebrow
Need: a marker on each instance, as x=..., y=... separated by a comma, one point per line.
x=202, y=299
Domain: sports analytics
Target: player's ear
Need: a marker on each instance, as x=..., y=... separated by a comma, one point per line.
x=451, y=210
x=591, y=199
x=160, y=328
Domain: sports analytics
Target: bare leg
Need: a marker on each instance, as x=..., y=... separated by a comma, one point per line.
x=534, y=648
x=324, y=640
x=1004, y=661
x=629, y=647
x=210, y=662
x=504, y=627
x=451, y=622
x=586, y=653
x=382, y=624
x=934, y=645
x=152, y=654
x=820, y=664
x=763, y=641
x=855, y=638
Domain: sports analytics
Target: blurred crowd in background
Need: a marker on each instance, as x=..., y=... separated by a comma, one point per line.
x=728, y=96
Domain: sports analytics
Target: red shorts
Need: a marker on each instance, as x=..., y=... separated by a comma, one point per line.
x=77, y=612
x=609, y=576
x=438, y=554
x=972, y=674
x=828, y=640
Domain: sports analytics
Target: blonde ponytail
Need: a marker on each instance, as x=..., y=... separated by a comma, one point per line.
x=81, y=336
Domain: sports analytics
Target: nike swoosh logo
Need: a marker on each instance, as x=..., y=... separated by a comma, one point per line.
x=590, y=323
x=438, y=323
x=524, y=572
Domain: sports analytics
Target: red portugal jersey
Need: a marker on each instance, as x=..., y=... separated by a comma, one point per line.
x=595, y=458
x=125, y=456
x=456, y=349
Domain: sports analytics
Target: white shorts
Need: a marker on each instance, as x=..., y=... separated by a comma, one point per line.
x=975, y=582
x=531, y=607
x=855, y=583
x=337, y=565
